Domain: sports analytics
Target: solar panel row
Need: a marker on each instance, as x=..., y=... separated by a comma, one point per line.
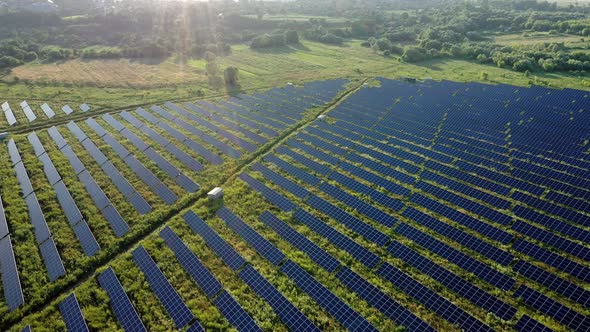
x=269, y=194
x=10, y=277
x=168, y=296
x=72, y=314
x=119, y=301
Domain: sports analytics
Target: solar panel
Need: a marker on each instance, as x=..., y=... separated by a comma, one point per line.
x=549, y=280
x=527, y=324
x=118, y=179
x=73, y=159
x=119, y=149
x=120, y=303
x=234, y=313
x=79, y=133
x=96, y=194
x=132, y=119
x=198, y=272
x=29, y=113
x=457, y=257
x=139, y=203
x=67, y=203
x=72, y=314
x=281, y=181
x=262, y=245
x=3, y=224
x=313, y=165
x=579, y=271
x=349, y=318
x=52, y=260
x=137, y=142
x=10, y=118
x=86, y=238
x=558, y=311
x=296, y=172
x=23, y=179
x=341, y=241
x=36, y=143
x=186, y=184
x=84, y=108
x=459, y=236
x=381, y=301
x=196, y=327
x=49, y=169
x=227, y=253
x=94, y=152
x=353, y=223
x=459, y=285
x=26, y=329
x=172, y=302
x=67, y=109
x=317, y=254
x=288, y=313
x=363, y=207
x=114, y=219
x=10, y=279
x=37, y=218
x=269, y=194
x=13, y=151
x=113, y=122
x=552, y=223
x=57, y=137
x=430, y=299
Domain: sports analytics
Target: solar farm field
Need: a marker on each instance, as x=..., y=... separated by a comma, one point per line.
x=429, y=206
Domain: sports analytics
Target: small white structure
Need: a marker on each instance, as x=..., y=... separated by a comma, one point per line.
x=322, y=117
x=290, y=84
x=3, y=136
x=215, y=194
x=365, y=85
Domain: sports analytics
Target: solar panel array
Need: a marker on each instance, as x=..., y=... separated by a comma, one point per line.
x=28, y=111
x=72, y=314
x=8, y=114
x=120, y=303
x=49, y=254
x=108, y=211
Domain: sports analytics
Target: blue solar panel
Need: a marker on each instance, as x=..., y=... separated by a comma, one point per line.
x=313, y=165
x=262, y=245
x=229, y=255
x=272, y=196
x=459, y=236
x=119, y=149
x=96, y=127
x=281, y=181
x=22, y=176
x=301, y=242
x=198, y=272
x=234, y=313
x=172, y=302
x=459, y=285
x=549, y=280
x=151, y=180
x=57, y=137
x=37, y=218
x=375, y=297
x=67, y=109
x=67, y=203
x=341, y=241
x=349, y=318
x=139, y=203
x=552, y=223
x=558, y=311
x=136, y=141
x=72, y=314
x=113, y=122
x=363, y=207
x=86, y=238
x=288, y=313
x=120, y=303
x=117, y=223
x=96, y=194
x=457, y=257
x=52, y=260
x=296, y=172
x=579, y=271
x=430, y=299
x=73, y=159
x=3, y=224
x=10, y=278
x=355, y=224
x=527, y=324
x=26, y=329
x=36, y=143
x=79, y=133
x=196, y=327
x=48, y=111
x=553, y=240
x=49, y=169
x=463, y=219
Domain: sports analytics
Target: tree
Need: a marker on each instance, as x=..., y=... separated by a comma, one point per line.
x=291, y=37
x=483, y=75
x=231, y=76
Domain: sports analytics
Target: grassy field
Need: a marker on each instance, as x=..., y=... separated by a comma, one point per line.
x=299, y=18
x=539, y=38
x=259, y=69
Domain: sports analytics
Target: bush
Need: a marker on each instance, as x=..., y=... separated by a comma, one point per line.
x=414, y=54
x=231, y=76
x=291, y=37
x=9, y=61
